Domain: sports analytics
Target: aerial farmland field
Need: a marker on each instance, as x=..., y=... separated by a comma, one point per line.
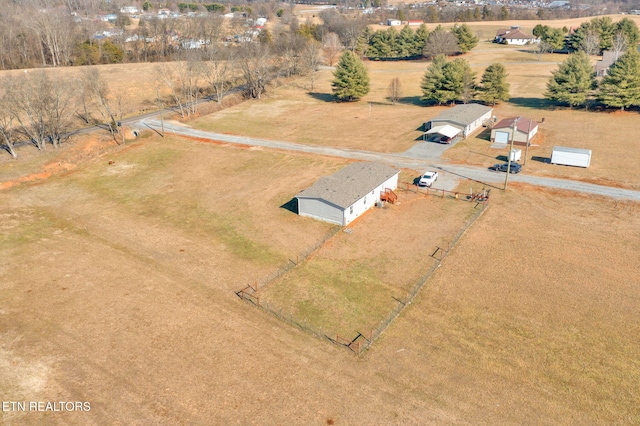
x=121, y=265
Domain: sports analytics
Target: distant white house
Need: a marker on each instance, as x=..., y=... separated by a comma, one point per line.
x=559, y=4
x=394, y=22
x=348, y=193
x=466, y=118
x=132, y=10
x=515, y=36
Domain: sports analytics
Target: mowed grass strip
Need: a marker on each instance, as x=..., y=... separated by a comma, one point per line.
x=353, y=282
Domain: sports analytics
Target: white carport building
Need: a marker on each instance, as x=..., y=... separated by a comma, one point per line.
x=443, y=134
x=348, y=193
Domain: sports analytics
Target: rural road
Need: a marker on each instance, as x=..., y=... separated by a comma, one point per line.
x=419, y=157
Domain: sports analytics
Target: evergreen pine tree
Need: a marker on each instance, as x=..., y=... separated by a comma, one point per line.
x=466, y=39
x=629, y=28
x=445, y=82
x=433, y=80
x=422, y=34
x=459, y=81
x=555, y=38
x=493, y=84
x=405, y=42
x=606, y=29
x=351, y=78
x=573, y=81
x=621, y=87
x=362, y=44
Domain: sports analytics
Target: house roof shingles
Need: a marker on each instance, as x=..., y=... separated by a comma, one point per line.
x=517, y=35
x=463, y=114
x=524, y=124
x=349, y=184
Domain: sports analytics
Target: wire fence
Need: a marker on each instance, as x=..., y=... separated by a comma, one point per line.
x=365, y=338
x=261, y=284
x=476, y=197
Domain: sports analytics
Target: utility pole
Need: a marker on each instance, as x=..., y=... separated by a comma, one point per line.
x=513, y=136
x=526, y=149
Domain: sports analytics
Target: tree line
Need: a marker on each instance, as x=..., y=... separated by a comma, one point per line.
x=592, y=37
x=394, y=44
x=574, y=83
x=41, y=107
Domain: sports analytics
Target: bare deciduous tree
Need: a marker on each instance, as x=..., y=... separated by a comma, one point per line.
x=620, y=44
x=218, y=69
x=28, y=107
x=312, y=60
x=110, y=106
x=590, y=44
x=183, y=80
x=440, y=42
x=395, y=90
x=331, y=48
x=6, y=127
x=256, y=63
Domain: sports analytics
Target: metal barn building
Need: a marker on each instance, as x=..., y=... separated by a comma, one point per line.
x=526, y=129
x=348, y=193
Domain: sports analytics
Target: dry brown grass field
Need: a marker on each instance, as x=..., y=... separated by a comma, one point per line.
x=355, y=280
x=293, y=113
x=120, y=265
x=118, y=289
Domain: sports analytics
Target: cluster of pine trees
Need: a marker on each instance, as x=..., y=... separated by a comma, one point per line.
x=592, y=37
x=449, y=81
x=394, y=44
x=574, y=82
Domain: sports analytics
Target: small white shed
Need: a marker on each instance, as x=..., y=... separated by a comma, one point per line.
x=571, y=156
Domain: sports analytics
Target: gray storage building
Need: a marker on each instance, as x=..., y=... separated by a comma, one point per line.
x=348, y=193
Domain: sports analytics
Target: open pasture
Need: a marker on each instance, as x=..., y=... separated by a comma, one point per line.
x=118, y=288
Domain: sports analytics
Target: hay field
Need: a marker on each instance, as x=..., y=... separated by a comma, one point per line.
x=118, y=289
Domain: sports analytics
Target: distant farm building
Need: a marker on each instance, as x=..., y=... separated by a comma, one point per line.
x=466, y=118
x=348, y=193
x=526, y=129
x=394, y=22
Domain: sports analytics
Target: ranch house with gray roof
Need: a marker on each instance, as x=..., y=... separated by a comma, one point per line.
x=467, y=118
x=347, y=194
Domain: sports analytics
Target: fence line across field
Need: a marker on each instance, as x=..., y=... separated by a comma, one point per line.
x=364, y=338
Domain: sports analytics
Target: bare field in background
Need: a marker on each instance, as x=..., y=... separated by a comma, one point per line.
x=118, y=288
